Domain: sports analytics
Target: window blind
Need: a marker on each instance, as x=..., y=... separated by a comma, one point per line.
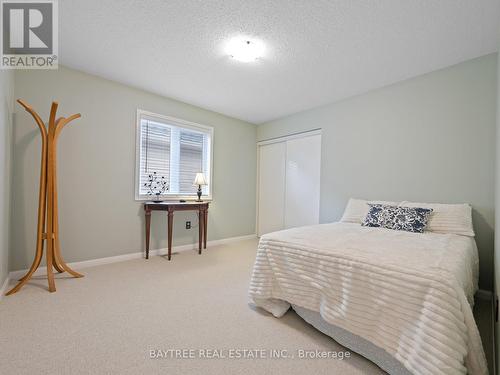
x=190, y=161
x=155, y=153
x=175, y=153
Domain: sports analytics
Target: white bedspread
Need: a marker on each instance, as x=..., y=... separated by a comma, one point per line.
x=407, y=293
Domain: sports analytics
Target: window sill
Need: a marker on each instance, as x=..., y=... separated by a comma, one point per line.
x=175, y=199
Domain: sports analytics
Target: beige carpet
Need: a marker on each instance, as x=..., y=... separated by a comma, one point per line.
x=107, y=322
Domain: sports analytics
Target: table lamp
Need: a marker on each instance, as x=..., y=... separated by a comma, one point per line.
x=199, y=180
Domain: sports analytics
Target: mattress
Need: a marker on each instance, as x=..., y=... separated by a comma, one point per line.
x=408, y=294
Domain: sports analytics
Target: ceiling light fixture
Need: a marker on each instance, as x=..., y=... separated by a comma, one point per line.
x=244, y=49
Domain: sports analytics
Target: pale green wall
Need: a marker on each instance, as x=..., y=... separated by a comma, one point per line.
x=6, y=108
x=431, y=139
x=438, y=133
x=98, y=214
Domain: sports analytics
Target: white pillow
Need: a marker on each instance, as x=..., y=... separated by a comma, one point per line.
x=357, y=209
x=447, y=218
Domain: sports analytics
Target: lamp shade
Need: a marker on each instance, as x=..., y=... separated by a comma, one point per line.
x=200, y=179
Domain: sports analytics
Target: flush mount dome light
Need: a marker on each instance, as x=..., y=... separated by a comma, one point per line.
x=244, y=49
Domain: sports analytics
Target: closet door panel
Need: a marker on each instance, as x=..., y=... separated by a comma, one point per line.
x=271, y=187
x=302, y=188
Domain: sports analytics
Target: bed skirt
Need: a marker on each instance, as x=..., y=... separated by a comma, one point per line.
x=353, y=342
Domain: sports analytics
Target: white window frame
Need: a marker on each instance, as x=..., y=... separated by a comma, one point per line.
x=182, y=124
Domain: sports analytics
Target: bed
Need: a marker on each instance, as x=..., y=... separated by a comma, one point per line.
x=403, y=300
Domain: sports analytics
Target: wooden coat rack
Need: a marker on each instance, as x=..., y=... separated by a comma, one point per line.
x=48, y=226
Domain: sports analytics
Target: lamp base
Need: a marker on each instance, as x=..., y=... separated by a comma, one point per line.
x=199, y=193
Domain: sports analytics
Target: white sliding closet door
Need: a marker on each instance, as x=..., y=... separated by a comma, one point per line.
x=288, y=182
x=271, y=187
x=303, y=162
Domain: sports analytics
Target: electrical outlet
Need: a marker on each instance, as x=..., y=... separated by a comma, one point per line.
x=188, y=225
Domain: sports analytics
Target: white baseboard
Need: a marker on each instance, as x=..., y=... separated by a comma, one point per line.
x=15, y=275
x=3, y=290
x=484, y=294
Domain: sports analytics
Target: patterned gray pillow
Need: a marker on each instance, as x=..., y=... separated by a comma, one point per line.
x=410, y=219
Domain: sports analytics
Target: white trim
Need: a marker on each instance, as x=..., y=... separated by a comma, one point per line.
x=14, y=275
x=304, y=134
x=183, y=124
x=285, y=186
x=5, y=285
x=484, y=294
x=257, y=185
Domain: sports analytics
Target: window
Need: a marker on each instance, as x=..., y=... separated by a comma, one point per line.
x=172, y=152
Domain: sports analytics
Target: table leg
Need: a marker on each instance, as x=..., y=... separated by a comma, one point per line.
x=200, y=229
x=148, y=230
x=205, y=220
x=170, y=227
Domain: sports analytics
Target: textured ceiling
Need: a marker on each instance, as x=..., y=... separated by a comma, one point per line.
x=318, y=51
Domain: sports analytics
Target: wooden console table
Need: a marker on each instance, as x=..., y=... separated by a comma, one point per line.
x=170, y=208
